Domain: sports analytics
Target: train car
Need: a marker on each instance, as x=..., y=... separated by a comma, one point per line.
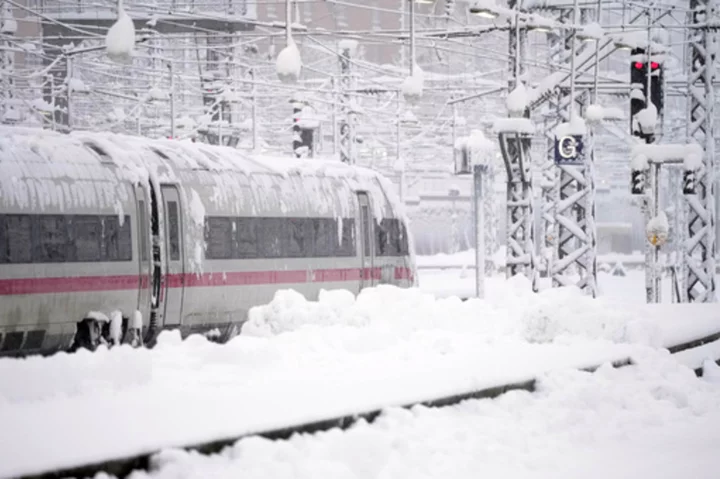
x=109, y=238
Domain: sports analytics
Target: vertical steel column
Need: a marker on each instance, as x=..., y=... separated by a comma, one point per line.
x=8, y=27
x=515, y=148
x=700, y=245
x=480, y=227
x=347, y=137
x=575, y=208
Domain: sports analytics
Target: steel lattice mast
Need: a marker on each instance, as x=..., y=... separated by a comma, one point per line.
x=699, y=255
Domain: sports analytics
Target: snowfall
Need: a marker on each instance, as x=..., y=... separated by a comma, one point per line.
x=298, y=361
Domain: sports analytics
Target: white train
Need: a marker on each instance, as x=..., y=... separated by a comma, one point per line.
x=172, y=234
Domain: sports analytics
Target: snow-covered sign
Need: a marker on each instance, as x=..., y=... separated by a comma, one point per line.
x=120, y=38
x=569, y=143
x=289, y=64
x=657, y=229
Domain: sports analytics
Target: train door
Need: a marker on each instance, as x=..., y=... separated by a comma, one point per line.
x=143, y=247
x=174, y=283
x=367, y=245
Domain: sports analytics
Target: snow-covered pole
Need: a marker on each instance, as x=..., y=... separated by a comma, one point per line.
x=573, y=49
x=253, y=94
x=479, y=208
x=51, y=82
x=700, y=251
x=68, y=91
x=412, y=37
x=347, y=137
x=333, y=86
x=288, y=22
x=8, y=27
x=596, y=72
x=172, y=99
x=398, y=133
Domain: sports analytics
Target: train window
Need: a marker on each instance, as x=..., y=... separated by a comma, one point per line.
x=15, y=239
x=52, y=240
x=300, y=236
x=382, y=238
x=272, y=237
x=404, y=242
x=247, y=242
x=142, y=219
x=219, y=238
x=117, y=239
x=86, y=238
x=326, y=237
x=174, y=233
x=347, y=243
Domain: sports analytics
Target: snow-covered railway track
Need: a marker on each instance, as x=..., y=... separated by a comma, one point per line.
x=122, y=467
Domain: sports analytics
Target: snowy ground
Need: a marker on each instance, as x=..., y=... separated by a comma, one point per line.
x=299, y=361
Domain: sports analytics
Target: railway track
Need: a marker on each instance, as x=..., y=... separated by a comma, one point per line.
x=122, y=467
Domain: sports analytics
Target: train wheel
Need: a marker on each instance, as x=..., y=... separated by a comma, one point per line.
x=88, y=335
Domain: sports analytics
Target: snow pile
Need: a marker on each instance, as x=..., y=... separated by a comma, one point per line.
x=591, y=31
x=290, y=311
x=349, y=45
x=597, y=113
x=691, y=154
x=412, y=87
x=76, y=85
x=517, y=101
x=647, y=119
x=120, y=39
x=574, y=127
x=479, y=145
x=519, y=125
x=289, y=64
x=639, y=162
x=693, y=161
x=554, y=314
x=652, y=420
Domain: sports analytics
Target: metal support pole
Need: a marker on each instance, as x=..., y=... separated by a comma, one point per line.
x=347, y=137
x=68, y=91
x=334, y=88
x=8, y=27
x=288, y=22
x=253, y=94
x=480, y=227
x=700, y=258
x=51, y=81
x=172, y=99
x=412, y=37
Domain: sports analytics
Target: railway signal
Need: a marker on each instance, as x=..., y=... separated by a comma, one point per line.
x=639, y=71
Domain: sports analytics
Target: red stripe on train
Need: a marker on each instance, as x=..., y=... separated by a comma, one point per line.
x=246, y=278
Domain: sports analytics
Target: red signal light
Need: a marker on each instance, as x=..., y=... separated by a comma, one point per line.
x=654, y=65
x=639, y=65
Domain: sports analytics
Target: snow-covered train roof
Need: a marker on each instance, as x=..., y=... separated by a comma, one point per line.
x=49, y=157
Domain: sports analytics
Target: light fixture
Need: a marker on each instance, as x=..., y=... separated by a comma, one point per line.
x=483, y=12
x=485, y=9
x=540, y=28
x=622, y=45
x=424, y=2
